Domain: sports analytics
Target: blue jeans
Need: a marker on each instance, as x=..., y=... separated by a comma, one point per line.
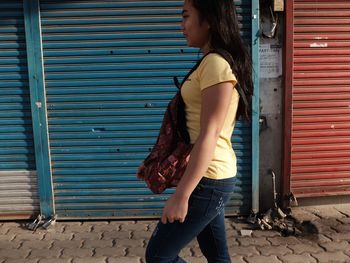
x=204, y=220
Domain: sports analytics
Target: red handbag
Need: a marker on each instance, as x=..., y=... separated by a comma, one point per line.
x=165, y=165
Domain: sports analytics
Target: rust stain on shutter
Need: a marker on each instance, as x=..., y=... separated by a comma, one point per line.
x=320, y=137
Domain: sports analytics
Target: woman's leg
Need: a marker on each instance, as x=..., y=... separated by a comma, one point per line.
x=205, y=204
x=168, y=239
x=212, y=241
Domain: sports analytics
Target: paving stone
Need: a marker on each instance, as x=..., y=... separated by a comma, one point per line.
x=105, y=228
x=265, y=233
x=145, y=221
x=339, y=237
x=132, y=222
x=119, y=222
x=305, y=248
x=95, y=223
x=232, y=242
x=44, y=253
x=238, y=226
x=29, y=236
x=55, y=228
x=228, y=226
x=116, y=235
x=256, y=241
x=325, y=211
x=4, y=244
x=323, y=228
x=141, y=235
x=14, y=253
x=196, y=252
x=134, y=227
x=135, y=252
x=77, y=229
x=344, y=220
x=335, y=246
x=303, y=215
x=7, y=237
x=36, y=244
x=274, y=250
x=55, y=260
x=18, y=224
x=73, y=252
x=276, y=241
x=3, y=230
x=193, y=243
x=26, y=260
x=347, y=252
x=186, y=252
x=151, y=227
x=331, y=222
x=342, y=228
x=90, y=260
x=293, y=258
x=73, y=223
x=88, y=236
x=97, y=243
x=74, y=244
x=262, y=259
x=334, y=257
x=231, y=233
x=58, y=236
x=110, y=252
x=129, y=243
x=238, y=259
x=344, y=209
x=124, y=260
x=243, y=251
x=195, y=259
x=323, y=239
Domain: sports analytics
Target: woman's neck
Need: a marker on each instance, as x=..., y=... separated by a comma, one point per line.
x=205, y=49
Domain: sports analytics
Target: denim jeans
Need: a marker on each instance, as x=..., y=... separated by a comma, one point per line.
x=204, y=220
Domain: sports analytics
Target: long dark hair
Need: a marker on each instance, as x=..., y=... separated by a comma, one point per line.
x=226, y=40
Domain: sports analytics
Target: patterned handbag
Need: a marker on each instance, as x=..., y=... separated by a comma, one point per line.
x=165, y=165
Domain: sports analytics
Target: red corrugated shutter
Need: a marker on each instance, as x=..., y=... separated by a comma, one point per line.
x=320, y=136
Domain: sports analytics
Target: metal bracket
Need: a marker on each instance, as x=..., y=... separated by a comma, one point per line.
x=41, y=222
x=50, y=222
x=36, y=223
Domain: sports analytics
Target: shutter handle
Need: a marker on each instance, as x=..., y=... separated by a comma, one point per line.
x=148, y=105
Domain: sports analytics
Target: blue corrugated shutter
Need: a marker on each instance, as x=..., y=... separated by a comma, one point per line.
x=18, y=182
x=108, y=69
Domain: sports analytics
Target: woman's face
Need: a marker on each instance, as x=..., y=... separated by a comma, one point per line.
x=196, y=33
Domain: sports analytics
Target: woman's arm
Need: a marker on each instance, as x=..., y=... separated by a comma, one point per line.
x=215, y=104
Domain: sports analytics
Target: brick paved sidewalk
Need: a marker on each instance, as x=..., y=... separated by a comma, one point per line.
x=125, y=241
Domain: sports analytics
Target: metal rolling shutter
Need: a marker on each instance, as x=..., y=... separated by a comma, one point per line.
x=320, y=160
x=18, y=181
x=109, y=67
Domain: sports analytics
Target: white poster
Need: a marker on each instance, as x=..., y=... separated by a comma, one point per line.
x=270, y=61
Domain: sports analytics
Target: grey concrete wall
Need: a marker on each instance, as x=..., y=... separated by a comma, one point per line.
x=271, y=102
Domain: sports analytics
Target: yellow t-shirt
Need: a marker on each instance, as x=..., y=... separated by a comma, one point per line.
x=212, y=70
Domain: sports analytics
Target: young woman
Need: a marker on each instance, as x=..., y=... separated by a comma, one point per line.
x=213, y=102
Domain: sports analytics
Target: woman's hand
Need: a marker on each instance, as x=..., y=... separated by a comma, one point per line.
x=175, y=209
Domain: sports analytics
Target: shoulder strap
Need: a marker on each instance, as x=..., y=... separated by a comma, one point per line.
x=229, y=59
x=176, y=81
